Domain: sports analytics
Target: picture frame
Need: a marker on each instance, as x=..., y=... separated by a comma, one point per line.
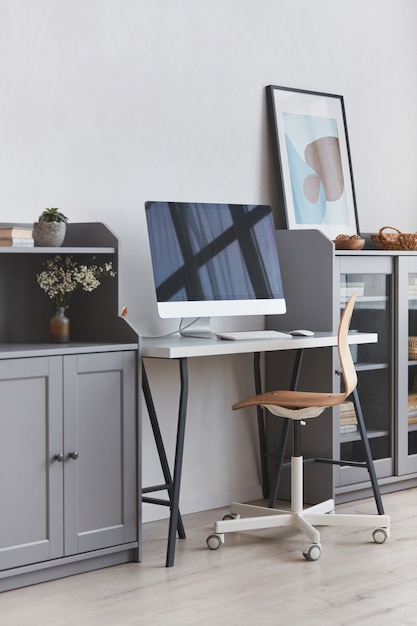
x=312, y=160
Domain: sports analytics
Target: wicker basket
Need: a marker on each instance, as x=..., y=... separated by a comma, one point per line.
x=397, y=241
x=412, y=349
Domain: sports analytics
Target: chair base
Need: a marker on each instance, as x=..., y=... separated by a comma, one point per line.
x=251, y=517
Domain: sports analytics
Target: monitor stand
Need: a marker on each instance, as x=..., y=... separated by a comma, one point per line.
x=199, y=329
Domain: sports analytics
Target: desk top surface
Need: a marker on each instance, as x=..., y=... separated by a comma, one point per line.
x=177, y=347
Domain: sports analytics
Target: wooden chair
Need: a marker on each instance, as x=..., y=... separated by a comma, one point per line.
x=300, y=406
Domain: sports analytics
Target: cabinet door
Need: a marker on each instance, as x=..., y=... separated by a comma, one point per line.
x=31, y=515
x=407, y=365
x=101, y=497
x=372, y=279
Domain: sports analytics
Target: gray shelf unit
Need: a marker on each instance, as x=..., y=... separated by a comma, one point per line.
x=69, y=423
x=317, y=281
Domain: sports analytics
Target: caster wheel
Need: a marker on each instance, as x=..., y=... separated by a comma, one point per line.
x=379, y=535
x=214, y=542
x=231, y=516
x=312, y=553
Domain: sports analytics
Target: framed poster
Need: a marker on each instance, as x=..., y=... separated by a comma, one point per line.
x=312, y=159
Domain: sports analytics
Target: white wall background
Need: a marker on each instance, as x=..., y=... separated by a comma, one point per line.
x=105, y=104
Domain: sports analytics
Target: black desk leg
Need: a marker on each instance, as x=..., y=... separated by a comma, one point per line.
x=161, y=453
x=279, y=460
x=261, y=426
x=368, y=454
x=270, y=493
x=179, y=450
x=368, y=463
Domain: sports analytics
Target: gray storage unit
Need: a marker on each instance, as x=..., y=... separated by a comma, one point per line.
x=69, y=424
x=317, y=282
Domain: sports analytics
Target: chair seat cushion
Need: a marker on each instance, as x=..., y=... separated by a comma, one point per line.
x=294, y=405
x=295, y=414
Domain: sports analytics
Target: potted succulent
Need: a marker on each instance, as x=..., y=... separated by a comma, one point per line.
x=50, y=228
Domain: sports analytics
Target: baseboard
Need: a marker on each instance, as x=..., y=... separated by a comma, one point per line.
x=24, y=576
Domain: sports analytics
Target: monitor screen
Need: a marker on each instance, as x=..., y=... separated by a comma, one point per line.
x=214, y=259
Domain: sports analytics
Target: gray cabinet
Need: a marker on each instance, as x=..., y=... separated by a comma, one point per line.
x=373, y=278
x=69, y=425
x=31, y=488
x=406, y=373
x=74, y=490
x=99, y=450
x=317, y=282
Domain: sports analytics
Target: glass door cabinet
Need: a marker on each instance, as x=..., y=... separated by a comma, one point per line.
x=317, y=282
x=407, y=365
x=372, y=279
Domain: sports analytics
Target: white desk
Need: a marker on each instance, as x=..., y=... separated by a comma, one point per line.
x=183, y=348
x=176, y=347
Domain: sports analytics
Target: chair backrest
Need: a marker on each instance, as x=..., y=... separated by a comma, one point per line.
x=346, y=362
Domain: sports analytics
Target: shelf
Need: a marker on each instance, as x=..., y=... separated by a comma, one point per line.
x=24, y=350
x=367, y=367
x=372, y=434
x=62, y=251
x=367, y=302
x=26, y=310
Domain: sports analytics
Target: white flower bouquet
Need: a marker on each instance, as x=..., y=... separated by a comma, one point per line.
x=63, y=275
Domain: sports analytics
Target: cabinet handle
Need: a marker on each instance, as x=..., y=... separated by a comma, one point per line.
x=59, y=457
x=73, y=455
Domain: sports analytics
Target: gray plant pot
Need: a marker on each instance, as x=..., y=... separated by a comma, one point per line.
x=49, y=234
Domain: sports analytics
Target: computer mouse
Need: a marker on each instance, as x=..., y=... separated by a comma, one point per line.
x=302, y=333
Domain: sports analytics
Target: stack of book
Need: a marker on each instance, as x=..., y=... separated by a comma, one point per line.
x=412, y=288
x=16, y=236
x=349, y=287
x=348, y=419
x=412, y=407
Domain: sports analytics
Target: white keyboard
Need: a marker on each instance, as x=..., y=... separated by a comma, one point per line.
x=239, y=335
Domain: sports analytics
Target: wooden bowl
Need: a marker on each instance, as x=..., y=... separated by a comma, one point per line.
x=349, y=244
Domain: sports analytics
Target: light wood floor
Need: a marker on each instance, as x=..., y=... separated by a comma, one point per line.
x=256, y=578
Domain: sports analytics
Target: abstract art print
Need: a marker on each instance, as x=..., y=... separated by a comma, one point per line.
x=312, y=160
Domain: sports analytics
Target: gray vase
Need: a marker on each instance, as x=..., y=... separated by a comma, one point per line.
x=49, y=234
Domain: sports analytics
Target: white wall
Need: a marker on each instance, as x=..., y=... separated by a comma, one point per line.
x=107, y=103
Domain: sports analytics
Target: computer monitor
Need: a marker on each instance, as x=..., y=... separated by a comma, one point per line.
x=212, y=260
